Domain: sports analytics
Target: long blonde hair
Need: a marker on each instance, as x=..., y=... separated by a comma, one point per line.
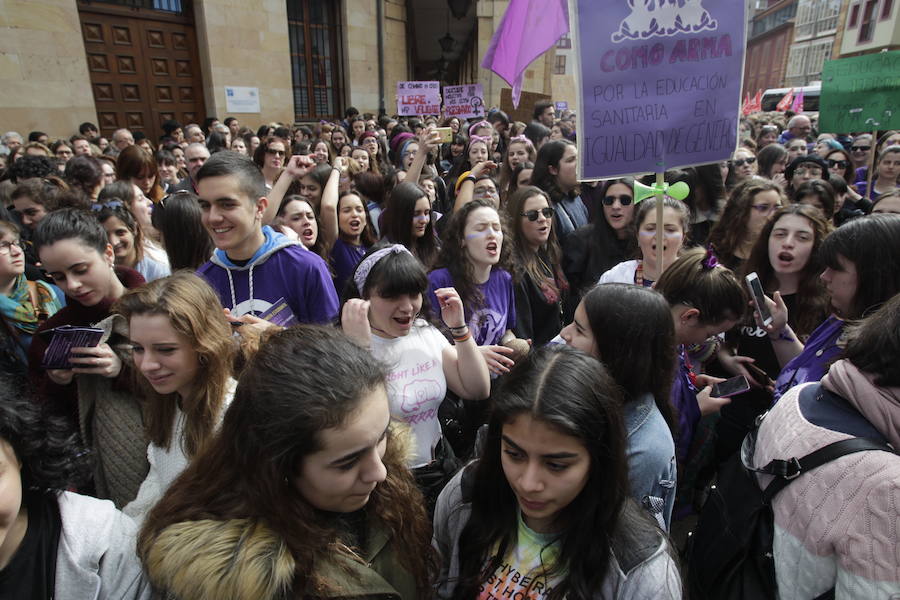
x=194, y=311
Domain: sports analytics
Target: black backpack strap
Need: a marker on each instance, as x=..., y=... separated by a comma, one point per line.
x=785, y=471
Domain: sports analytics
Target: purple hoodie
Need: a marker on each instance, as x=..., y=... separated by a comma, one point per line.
x=280, y=270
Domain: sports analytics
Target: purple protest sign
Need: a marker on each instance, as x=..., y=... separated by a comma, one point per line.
x=659, y=83
x=464, y=101
x=418, y=98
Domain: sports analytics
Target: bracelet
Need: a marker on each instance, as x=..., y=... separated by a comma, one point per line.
x=461, y=339
x=470, y=178
x=783, y=336
x=459, y=329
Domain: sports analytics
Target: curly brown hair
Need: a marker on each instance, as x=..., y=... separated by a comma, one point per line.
x=455, y=257
x=274, y=422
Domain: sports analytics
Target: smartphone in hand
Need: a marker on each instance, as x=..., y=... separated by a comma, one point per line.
x=730, y=387
x=759, y=298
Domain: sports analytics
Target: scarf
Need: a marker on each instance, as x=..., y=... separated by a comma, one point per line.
x=879, y=405
x=19, y=309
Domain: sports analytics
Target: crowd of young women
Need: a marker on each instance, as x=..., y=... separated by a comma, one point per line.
x=513, y=401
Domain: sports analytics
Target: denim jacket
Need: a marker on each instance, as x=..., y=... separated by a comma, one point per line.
x=651, y=458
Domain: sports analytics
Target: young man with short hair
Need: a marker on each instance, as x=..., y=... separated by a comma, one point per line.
x=256, y=270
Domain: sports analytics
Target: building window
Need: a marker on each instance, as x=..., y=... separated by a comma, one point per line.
x=886, y=9
x=854, y=15
x=867, y=26
x=564, y=42
x=560, y=67
x=314, y=34
x=171, y=6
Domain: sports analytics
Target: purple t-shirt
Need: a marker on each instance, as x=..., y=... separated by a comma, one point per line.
x=684, y=399
x=344, y=258
x=820, y=351
x=280, y=271
x=499, y=312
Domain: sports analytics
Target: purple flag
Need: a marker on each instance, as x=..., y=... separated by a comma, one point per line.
x=797, y=106
x=528, y=29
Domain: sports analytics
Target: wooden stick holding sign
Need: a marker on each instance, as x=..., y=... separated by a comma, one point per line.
x=660, y=189
x=870, y=167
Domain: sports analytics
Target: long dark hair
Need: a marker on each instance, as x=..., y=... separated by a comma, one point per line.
x=177, y=218
x=455, y=258
x=713, y=290
x=398, y=218
x=274, y=422
x=526, y=262
x=872, y=244
x=47, y=448
x=635, y=338
x=573, y=393
x=812, y=299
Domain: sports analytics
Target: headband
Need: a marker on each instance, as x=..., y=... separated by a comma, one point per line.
x=477, y=125
x=365, y=266
x=96, y=207
x=485, y=139
x=523, y=139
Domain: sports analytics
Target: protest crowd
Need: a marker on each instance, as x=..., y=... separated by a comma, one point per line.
x=416, y=357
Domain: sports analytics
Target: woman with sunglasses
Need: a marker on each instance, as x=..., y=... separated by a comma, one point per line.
x=597, y=247
x=742, y=167
x=540, y=285
x=860, y=151
x=644, y=270
x=748, y=209
x=270, y=157
x=545, y=511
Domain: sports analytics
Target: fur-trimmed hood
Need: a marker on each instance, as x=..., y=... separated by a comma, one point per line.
x=243, y=559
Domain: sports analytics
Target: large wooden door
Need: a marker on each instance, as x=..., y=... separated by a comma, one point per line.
x=143, y=66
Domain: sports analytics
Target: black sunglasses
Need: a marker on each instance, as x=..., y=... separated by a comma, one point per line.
x=860, y=148
x=624, y=200
x=278, y=152
x=742, y=161
x=841, y=164
x=533, y=214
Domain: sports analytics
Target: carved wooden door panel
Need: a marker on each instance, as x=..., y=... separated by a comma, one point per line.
x=143, y=67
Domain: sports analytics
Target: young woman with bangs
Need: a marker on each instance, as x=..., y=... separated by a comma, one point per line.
x=382, y=312
x=786, y=258
x=304, y=493
x=137, y=166
x=182, y=347
x=555, y=172
x=540, y=285
x=545, y=511
x=127, y=239
x=519, y=151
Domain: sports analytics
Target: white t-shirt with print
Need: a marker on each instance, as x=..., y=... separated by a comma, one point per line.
x=416, y=384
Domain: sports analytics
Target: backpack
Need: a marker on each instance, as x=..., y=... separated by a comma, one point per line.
x=731, y=548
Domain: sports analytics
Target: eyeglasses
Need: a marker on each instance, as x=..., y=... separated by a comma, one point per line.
x=6, y=247
x=841, y=164
x=176, y=193
x=813, y=171
x=766, y=208
x=740, y=162
x=533, y=214
x=860, y=148
x=624, y=200
x=276, y=152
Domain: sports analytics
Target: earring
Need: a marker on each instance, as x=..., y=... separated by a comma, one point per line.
x=203, y=361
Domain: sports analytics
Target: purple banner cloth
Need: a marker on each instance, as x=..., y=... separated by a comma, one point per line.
x=659, y=83
x=528, y=29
